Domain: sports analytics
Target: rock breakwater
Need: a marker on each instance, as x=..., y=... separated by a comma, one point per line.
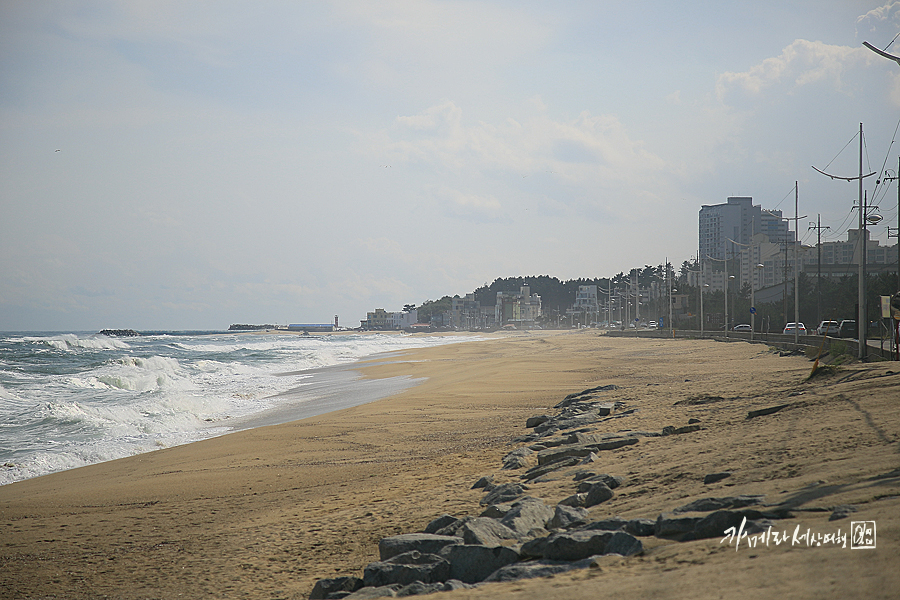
x=519, y=535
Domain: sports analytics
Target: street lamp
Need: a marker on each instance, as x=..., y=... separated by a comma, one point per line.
x=724, y=260
x=759, y=267
x=705, y=285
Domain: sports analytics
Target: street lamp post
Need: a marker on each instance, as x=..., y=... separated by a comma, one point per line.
x=724, y=260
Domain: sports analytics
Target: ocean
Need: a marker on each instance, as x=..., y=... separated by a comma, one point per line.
x=74, y=399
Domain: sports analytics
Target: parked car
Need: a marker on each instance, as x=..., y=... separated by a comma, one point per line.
x=791, y=327
x=847, y=329
x=827, y=328
x=653, y=325
x=742, y=327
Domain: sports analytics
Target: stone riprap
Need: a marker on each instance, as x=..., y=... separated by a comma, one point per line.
x=519, y=536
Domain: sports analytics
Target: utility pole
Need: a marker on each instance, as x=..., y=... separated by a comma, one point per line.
x=819, y=229
x=796, y=265
x=862, y=319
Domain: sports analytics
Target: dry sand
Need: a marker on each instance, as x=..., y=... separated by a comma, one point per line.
x=264, y=513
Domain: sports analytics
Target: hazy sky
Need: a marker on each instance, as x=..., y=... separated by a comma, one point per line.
x=194, y=164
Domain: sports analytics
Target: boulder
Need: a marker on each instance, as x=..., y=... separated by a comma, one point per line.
x=367, y=593
x=440, y=523
x=541, y=470
x=641, y=527
x=324, y=587
x=577, y=545
x=485, y=531
x=585, y=395
x=406, y=568
x=565, y=517
x=486, y=482
x=504, y=493
x=842, y=512
x=551, y=455
x=715, y=524
x=611, y=481
x=576, y=500
x=671, y=430
x=474, y=563
x=517, y=458
x=527, y=514
x=667, y=526
x=497, y=511
x=537, y=568
x=597, y=493
x=611, y=524
x=716, y=477
x=535, y=421
x=424, y=543
x=514, y=462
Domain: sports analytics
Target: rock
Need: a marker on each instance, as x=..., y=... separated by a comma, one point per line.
x=565, y=517
x=484, y=531
x=590, y=458
x=597, y=493
x=537, y=568
x=766, y=411
x=552, y=455
x=540, y=471
x=641, y=527
x=585, y=395
x=474, y=563
x=516, y=459
x=842, y=512
x=716, y=477
x=575, y=500
x=497, y=511
x=424, y=543
x=715, y=524
x=577, y=545
x=527, y=514
x=674, y=527
x=366, y=593
x=417, y=588
x=670, y=430
x=324, y=587
x=440, y=523
x=584, y=474
x=710, y=504
x=504, y=493
x=612, y=482
x=535, y=421
x=611, y=524
x=486, y=483
x=407, y=568
x=692, y=421
x=514, y=462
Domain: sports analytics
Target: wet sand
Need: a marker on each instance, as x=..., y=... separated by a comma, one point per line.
x=265, y=512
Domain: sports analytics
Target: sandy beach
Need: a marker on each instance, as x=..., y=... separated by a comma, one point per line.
x=265, y=512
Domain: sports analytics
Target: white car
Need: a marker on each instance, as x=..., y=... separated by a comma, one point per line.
x=827, y=328
x=792, y=327
x=653, y=325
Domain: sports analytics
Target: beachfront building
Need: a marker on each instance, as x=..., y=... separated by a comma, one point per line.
x=520, y=309
x=382, y=320
x=741, y=233
x=466, y=313
x=587, y=306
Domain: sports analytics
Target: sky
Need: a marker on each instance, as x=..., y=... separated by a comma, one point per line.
x=190, y=164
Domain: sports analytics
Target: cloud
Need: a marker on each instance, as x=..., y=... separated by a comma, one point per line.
x=800, y=64
x=884, y=20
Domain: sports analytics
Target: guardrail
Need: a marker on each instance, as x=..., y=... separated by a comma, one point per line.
x=779, y=340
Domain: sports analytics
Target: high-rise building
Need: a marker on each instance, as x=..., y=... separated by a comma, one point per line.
x=738, y=220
